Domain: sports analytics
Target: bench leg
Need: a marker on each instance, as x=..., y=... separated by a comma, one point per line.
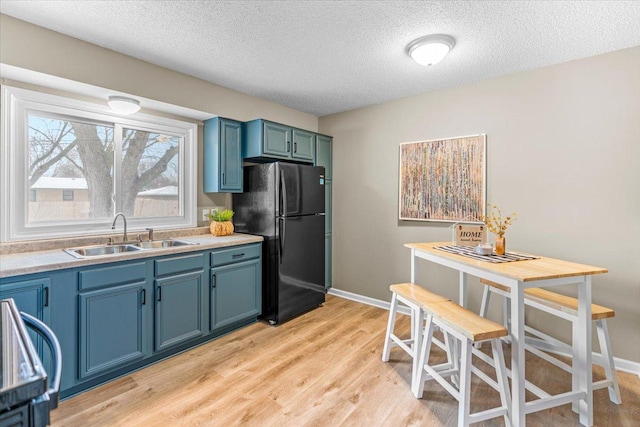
x=575, y=385
x=607, y=356
x=501, y=377
x=464, y=406
x=417, y=384
x=452, y=359
x=393, y=309
x=417, y=316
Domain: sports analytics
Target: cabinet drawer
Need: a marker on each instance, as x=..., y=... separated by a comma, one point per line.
x=180, y=264
x=235, y=254
x=109, y=276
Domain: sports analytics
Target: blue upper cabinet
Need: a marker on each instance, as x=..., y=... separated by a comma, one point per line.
x=304, y=145
x=323, y=154
x=276, y=140
x=222, y=151
x=262, y=139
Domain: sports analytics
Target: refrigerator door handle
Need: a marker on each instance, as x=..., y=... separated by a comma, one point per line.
x=283, y=191
x=282, y=235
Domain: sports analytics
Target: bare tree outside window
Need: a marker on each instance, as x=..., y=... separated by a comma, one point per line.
x=150, y=174
x=70, y=155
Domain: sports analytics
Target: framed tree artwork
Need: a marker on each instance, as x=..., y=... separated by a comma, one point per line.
x=443, y=179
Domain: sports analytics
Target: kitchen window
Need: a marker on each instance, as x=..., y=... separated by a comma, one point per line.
x=68, y=166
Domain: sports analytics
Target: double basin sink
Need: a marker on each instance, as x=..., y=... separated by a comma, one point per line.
x=102, y=250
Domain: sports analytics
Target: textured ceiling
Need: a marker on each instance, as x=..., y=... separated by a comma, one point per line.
x=324, y=57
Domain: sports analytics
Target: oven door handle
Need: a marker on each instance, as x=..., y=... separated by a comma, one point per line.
x=56, y=353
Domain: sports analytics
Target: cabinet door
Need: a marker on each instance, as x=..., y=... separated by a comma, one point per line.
x=230, y=156
x=32, y=297
x=112, y=328
x=236, y=293
x=323, y=154
x=304, y=145
x=179, y=314
x=327, y=261
x=276, y=140
x=222, y=156
x=328, y=206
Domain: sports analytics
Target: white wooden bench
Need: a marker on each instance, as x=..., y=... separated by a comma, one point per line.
x=410, y=295
x=456, y=323
x=542, y=344
x=468, y=328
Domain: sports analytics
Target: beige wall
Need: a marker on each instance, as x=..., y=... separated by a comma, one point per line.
x=35, y=48
x=563, y=150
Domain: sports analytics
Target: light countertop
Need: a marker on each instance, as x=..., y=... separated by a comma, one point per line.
x=18, y=264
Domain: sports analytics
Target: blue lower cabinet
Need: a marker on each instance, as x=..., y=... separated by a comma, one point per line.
x=32, y=297
x=236, y=292
x=179, y=310
x=115, y=317
x=112, y=327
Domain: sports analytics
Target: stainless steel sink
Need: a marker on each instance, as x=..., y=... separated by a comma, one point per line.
x=94, y=251
x=91, y=251
x=159, y=244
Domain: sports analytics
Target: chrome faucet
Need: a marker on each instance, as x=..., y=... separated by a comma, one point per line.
x=113, y=225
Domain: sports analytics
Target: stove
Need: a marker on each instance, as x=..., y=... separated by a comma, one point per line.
x=25, y=399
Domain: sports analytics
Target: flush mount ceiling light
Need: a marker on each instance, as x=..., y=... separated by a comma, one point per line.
x=124, y=105
x=429, y=50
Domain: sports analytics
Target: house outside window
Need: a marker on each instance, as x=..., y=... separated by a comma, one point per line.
x=96, y=162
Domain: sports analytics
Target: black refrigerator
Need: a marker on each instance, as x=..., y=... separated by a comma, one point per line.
x=284, y=203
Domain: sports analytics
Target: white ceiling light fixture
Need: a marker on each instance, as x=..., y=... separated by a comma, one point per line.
x=430, y=50
x=124, y=105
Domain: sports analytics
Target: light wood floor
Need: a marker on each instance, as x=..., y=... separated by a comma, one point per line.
x=321, y=369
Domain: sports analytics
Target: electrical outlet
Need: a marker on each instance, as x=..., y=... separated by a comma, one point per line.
x=205, y=212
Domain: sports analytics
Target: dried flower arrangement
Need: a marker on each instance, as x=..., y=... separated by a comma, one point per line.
x=495, y=223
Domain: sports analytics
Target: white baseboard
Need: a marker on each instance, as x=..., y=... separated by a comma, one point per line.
x=621, y=364
x=367, y=300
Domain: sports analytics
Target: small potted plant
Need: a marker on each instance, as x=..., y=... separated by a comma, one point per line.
x=498, y=226
x=221, y=224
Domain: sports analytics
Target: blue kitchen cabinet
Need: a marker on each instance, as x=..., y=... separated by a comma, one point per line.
x=324, y=157
x=32, y=297
x=323, y=154
x=180, y=301
x=222, y=156
x=116, y=317
x=263, y=140
x=304, y=145
x=113, y=326
x=236, y=285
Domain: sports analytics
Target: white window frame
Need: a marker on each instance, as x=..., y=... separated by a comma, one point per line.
x=14, y=199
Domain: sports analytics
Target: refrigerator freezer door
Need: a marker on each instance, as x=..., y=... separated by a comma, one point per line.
x=255, y=209
x=301, y=189
x=301, y=265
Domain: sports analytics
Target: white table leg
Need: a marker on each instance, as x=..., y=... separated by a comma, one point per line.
x=462, y=295
x=517, y=356
x=583, y=341
x=413, y=266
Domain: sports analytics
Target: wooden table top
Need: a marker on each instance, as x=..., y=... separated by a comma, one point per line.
x=524, y=271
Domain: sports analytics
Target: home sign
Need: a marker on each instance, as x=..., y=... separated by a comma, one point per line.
x=469, y=235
